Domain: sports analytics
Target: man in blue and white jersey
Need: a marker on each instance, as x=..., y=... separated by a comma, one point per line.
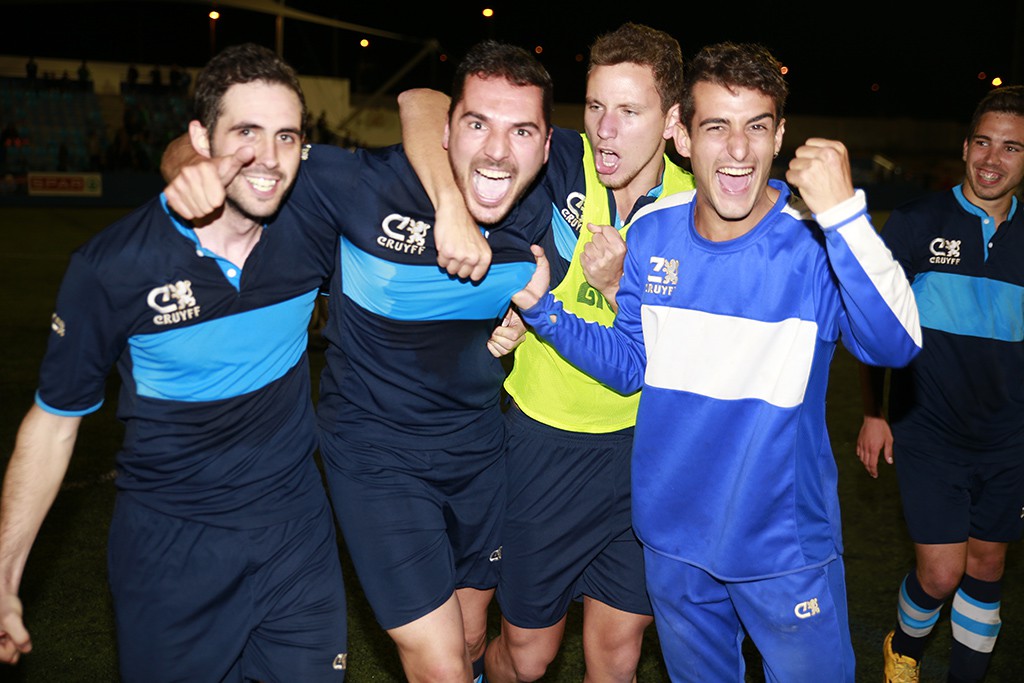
x=730, y=306
x=223, y=557
x=957, y=411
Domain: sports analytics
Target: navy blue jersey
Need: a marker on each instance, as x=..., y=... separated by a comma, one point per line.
x=964, y=391
x=408, y=363
x=215, y=381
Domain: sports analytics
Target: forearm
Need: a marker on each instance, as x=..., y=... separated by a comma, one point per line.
x=879, y=303
x=41, y=454
x=872, y=389
x=608, y=354
x=424, y=114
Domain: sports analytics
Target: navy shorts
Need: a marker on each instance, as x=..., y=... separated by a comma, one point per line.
x=949, y=501
x=798, y=622
x=418, y=524
x=194, y=602
x=568, y=530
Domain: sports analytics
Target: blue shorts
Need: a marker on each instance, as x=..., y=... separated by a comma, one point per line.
x=798, y=622
x=194, y=602
x=946, y=501
x=418, y=524
x=568, y=530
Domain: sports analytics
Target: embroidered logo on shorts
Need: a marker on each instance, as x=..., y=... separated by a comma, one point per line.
x=340, y=662
x=807, y=609
x=496, y=555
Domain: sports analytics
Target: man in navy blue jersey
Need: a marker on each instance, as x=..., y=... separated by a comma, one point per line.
x=223, y=558
x=412, y=432
x=957, y=412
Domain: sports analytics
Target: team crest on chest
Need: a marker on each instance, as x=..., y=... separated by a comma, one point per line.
x=572, y=212
x=174, y=303
x=403, y=234
x=663, y=276
x=944, y=251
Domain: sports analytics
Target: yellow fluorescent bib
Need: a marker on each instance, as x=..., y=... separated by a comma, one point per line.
x=544, y=385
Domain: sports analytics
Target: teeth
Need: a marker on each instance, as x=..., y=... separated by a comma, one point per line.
x=988, y=176
x=262, y=184
x=494, y=175
x=736, y=171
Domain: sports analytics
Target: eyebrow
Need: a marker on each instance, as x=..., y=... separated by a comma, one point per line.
x=754, y=119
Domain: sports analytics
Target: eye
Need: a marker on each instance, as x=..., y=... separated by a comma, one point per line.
x=287, y=137
x=523, y=132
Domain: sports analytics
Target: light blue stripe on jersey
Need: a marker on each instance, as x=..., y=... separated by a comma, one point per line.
x=224, y=357
x=565, y=236
x=970, y=306
x=401, y=291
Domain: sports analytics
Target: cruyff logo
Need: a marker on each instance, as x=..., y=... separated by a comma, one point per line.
x=496, y=555
x=572, y=212
x=944, y=251
x=664, y=276
x=807, y=609
x=403, y=234
x=173, y=302
x=57, y=325
x=340, y=662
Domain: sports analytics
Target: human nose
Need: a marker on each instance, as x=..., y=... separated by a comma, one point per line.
x=497, y=146
x=738, y=145
x=606, y=128
x=266, y=153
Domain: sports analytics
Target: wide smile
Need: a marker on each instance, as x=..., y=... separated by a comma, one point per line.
x=262, y=184
x=734, y=180
x=491, y=186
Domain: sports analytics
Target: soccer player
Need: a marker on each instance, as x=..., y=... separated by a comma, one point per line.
x=571, y=436
x=730, y=306
x=223, y=557
x=412, y=433
x=957, y=412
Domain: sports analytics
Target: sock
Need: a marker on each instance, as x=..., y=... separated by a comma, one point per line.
x=916, y=615
x=975, y=621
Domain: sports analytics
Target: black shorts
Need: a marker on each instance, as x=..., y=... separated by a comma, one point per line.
x=418, y=524
x=194, y=602
x=568, y=530
x=951, y=500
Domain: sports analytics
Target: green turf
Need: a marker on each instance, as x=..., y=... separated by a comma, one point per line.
x=66, y=598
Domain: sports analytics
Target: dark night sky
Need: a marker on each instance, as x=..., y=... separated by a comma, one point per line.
x=925, y=65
